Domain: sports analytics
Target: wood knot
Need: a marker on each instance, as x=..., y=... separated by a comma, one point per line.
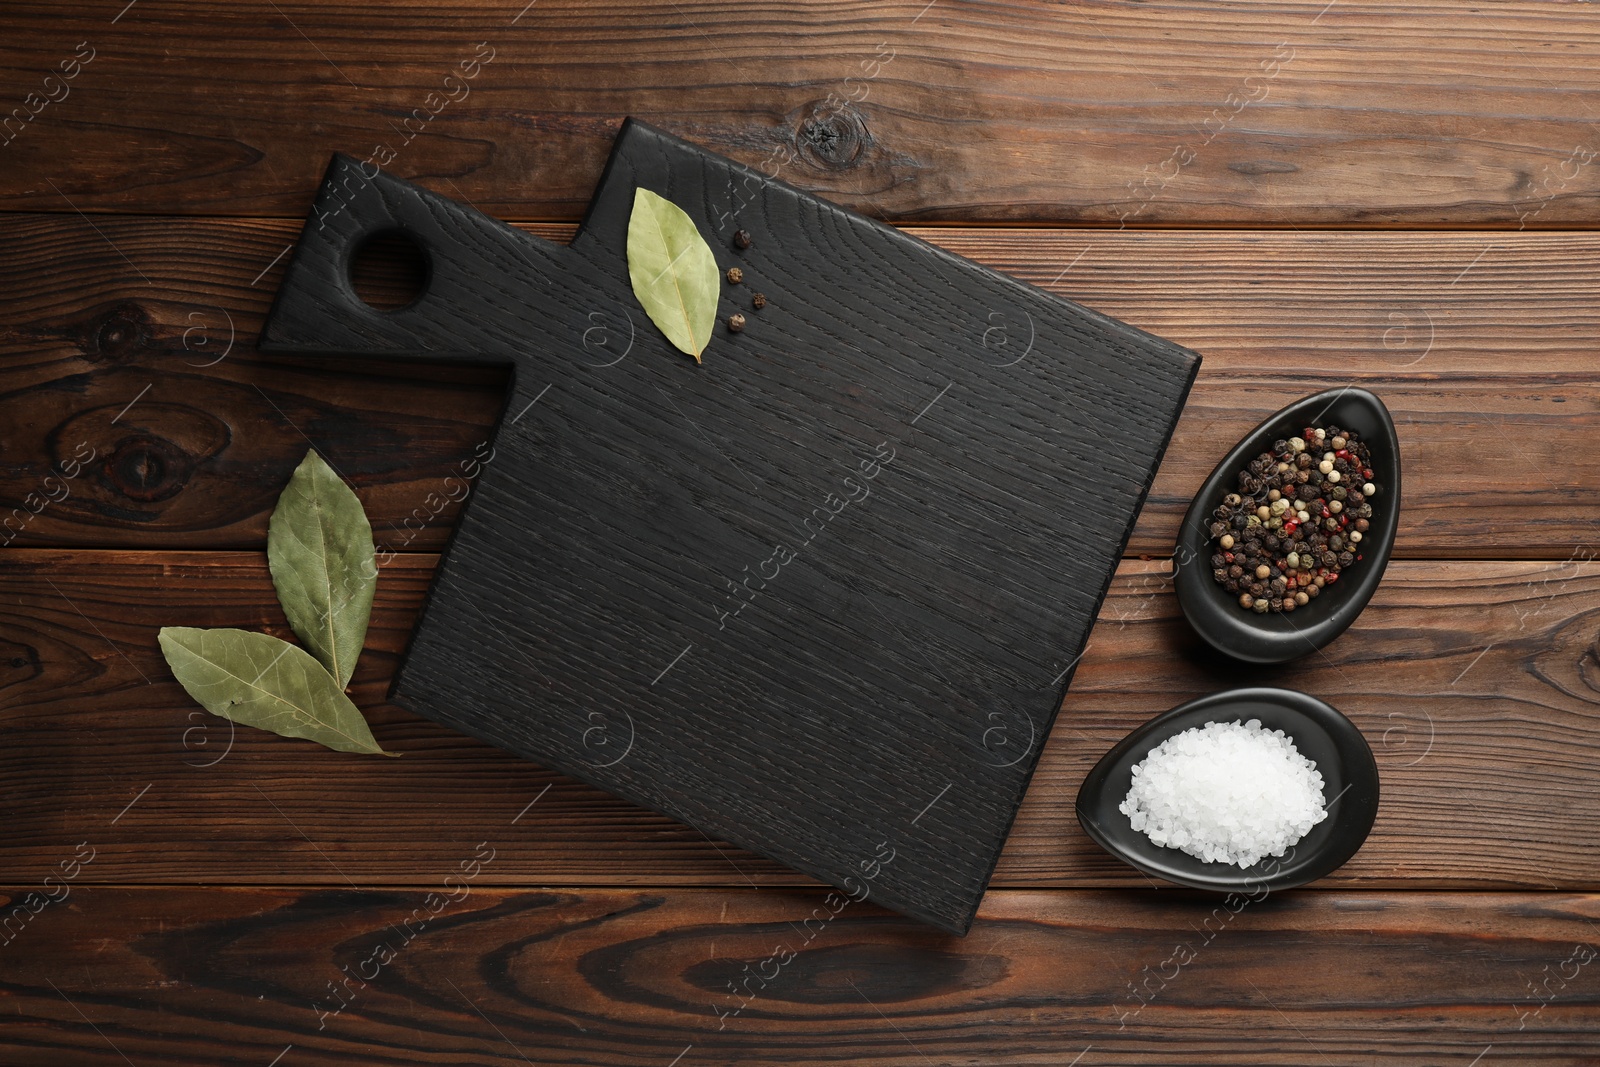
x=832, y=135
x=18, y=663
x=119, y=335
x=148, y=468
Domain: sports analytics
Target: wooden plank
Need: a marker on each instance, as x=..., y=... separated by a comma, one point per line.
x=1472, y=340
x=1292, y=114
x=1472, y=682
x=458, y=972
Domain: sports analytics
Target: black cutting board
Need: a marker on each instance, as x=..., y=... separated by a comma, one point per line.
x=820, y=596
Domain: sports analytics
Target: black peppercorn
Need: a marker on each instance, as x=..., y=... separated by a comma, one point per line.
x=758, y=301
x=741, y=239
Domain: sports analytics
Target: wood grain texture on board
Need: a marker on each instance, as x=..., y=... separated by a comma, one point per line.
x=1360, y=113
x=463, y=973
x=1473, y=682
x=646, y=515
x=1468, y=337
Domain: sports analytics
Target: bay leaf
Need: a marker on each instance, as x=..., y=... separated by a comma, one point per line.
x=257, y=680
x=319, y=550
x=673, y=272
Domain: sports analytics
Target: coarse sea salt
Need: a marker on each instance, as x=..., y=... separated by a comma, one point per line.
x=1226, y=792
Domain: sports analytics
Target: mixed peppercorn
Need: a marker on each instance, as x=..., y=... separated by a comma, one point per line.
x=735, y=276
x=1296, y=520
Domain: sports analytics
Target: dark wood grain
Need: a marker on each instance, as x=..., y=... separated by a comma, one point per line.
x=647, y=515
x=1468, y=338
x=743, y=977
x=1475, y=684
x=1277, y=113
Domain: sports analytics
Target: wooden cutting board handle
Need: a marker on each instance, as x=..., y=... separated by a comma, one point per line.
x=478, y=268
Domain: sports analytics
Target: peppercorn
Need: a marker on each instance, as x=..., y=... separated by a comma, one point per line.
x=741, y=239
x=735, y=322
x=1291, y=525
x=1246, y=600
x=735, y=275
x=758, y=301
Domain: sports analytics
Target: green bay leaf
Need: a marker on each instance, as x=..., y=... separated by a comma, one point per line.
x=319, y=549
x=673, y=272
x=260, y=681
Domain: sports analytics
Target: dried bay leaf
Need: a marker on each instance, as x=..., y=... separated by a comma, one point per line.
x=673, y=272
x=319, y=549
x=260, y=681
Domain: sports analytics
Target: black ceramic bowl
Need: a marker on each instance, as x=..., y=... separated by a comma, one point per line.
x=1342, y=755
x=1276, y=637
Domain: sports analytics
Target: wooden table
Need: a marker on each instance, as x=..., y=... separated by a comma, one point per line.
x=1309, y=194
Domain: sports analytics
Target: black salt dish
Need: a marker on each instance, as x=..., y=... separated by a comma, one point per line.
x=1278, y=637
x=1320, y=733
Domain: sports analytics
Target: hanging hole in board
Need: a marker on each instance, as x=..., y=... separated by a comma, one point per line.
x=389, y=271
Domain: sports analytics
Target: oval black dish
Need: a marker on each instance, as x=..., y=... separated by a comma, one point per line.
x=1275, y=637
x=1342, y=755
